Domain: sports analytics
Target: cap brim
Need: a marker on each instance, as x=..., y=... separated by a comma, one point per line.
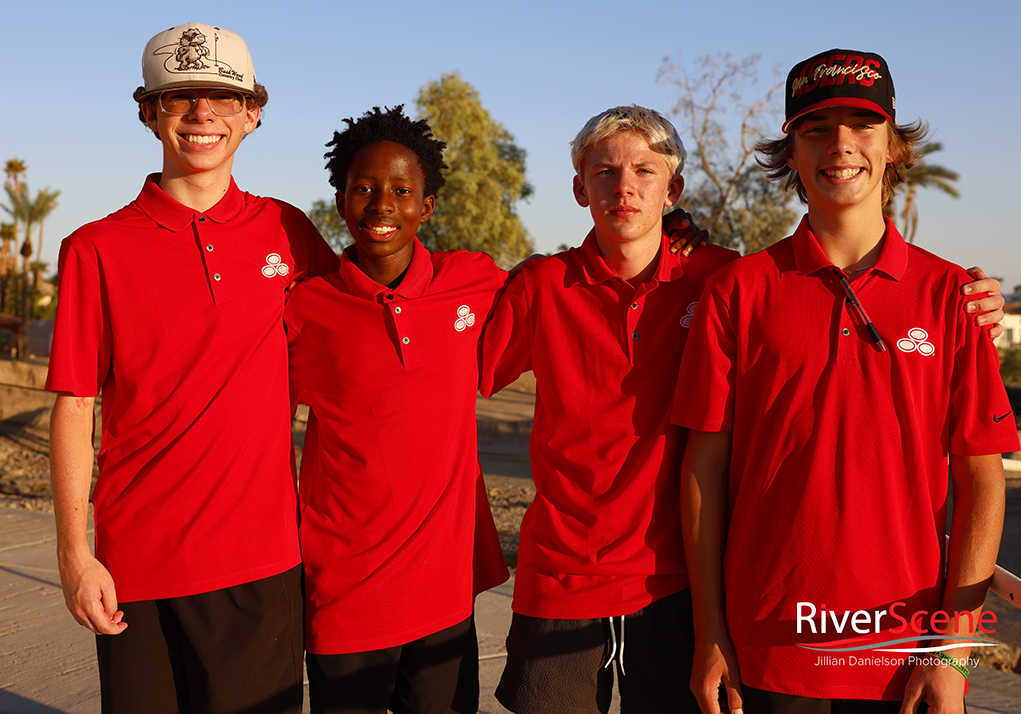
x=838, y=102
x=196, y=84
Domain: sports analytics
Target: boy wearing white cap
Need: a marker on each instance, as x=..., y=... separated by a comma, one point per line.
x=841, y=378
x=171, y=309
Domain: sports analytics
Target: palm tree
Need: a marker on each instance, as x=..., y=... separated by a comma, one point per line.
x=14, y=169
x=45, y=202
x=6, y=259
x=921, y=175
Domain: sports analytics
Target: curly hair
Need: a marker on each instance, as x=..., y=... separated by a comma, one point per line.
x=258, y=98
x=905, y=141
x=387, y=125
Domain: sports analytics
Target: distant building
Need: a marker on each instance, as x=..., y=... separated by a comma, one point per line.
x=1011, y=336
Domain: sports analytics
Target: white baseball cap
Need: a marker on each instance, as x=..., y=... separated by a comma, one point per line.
x=197, y=55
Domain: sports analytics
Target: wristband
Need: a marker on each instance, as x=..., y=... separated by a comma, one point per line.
x=954, y=663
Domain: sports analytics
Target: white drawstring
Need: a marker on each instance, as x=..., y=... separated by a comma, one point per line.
x=613, y=648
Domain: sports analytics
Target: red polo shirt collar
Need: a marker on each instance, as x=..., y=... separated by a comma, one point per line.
x=414, y=284
x=175, y=216
x=595, y=271
x=809, y=256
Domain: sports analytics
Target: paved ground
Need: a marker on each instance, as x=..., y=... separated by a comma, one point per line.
x=47, y=662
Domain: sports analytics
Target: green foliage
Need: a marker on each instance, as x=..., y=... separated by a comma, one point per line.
x=13, y=295
x=725, y=190
x=921, y=175
x=331, y=226
x=476, y=210
x=758, y=213
x=28, y=213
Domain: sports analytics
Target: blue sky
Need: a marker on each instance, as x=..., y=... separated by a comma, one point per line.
x=542, y=69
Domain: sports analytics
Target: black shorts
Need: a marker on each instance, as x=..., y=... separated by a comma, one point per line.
x=233, y=650
x=561, y=666
x=437, y=674
x=757, y=701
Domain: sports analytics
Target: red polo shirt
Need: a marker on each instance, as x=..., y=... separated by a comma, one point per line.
x=390, y=464
x=175, y=316
x=603, y=535
x=838, y=476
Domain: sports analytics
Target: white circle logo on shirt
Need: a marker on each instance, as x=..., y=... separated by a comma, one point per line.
x=917, y=341
x=274, y=266
x=686, y=320
x=465, y=318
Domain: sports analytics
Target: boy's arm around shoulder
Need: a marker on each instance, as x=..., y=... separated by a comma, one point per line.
x=704, y=472
x=988, y=307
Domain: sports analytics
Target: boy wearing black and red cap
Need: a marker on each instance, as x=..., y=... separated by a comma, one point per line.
x=840, y=377
x=171, y=309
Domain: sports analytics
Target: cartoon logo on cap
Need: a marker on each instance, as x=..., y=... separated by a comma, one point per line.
x=194, y=52
x=191, y=50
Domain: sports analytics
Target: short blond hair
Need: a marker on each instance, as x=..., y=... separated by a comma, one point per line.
x=661, y=134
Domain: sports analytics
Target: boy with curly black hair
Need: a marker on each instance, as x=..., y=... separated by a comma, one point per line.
x=385, y=354
x=390, y=125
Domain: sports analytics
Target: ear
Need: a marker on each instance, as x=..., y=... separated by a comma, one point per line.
x=580, y=194
x=792, y=164
x=428, y=204
x=674, y=190
x=339, y=200
x=252, y=119
x=150, y=112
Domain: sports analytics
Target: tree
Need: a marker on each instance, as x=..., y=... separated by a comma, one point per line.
x=14, y=170
x=727, y=193
x=476, y=209
x=921, y=175
x=330, y=224
x=43, y=205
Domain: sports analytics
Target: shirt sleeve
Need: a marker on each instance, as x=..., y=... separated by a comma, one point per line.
x=312, y=255
x=82, y=345
x=295, y=350
x=706, y=383
x=507, y=341
x=981, y=419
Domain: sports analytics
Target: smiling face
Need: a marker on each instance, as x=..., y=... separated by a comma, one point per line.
x=841, y=154
x=626, y=185
x=383, y=204
x=200, y=141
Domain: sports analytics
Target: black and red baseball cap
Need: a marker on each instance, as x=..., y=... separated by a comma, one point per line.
x=840, y=78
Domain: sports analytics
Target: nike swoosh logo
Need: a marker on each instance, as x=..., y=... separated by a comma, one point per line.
x=999, y=419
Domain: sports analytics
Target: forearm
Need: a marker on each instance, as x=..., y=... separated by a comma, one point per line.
x=71, y=454
x=975, y=529
x=704, y=523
